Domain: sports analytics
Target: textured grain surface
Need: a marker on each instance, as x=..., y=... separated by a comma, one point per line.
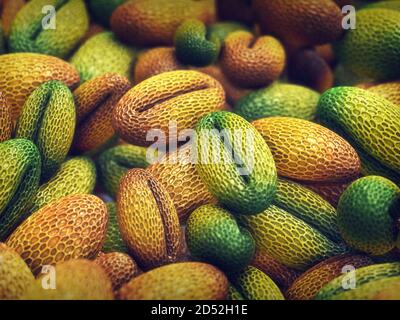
x=179, y=281
x=370, y=120
x=368, y=55
x=235, y=163
x=114, y=162
x=308, y=206
x=148, y=220
x=304, y=150
x=119, y=267
x=232, y=91
x=309, y=283
x=156, y=61
x=76, y=279
x=279, y=99
x=177, y=172
x=48, y=118
x=6, y=125
x=70, y=228
x=182, y=97
x=381, y=289
x=21, y=73
x=28, y=35
x=365, y=275
x=288, y=239
x=15, y=276
x=101, y=54
x=113, y=241
x=194, y=45
x=213, y=236
x=95, y=101
x=252, y=62
x=153, y=22
x=253, y=284
x=330, y=191
x=75, y=176
x=388, y=90
x=372, y=167
x=20, y=174
x=278, y=272
x=366, y=215
x=302, y=22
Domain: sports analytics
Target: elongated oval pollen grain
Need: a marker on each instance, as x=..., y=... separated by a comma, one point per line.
x=148, y=220
x=95, y=101
x=21, y=73
x=177, y=98
x=70, y=228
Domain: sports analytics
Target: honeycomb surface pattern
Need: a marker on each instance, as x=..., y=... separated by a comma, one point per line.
x=309, y=283
x=308, y=206
x=95, y=101
x=178, y=174
x=370, y=120
x=304, y=150
x=368, y=55
x=181, y=97
x=75, y=176
x=253, y=284
x=300, y=23
x=27, y=34
x=289, y=240
x=6, y=125
x=252, y=62
x=235, y=163
x=365, y=275
x=330, y=191
x=103, y=53
x=70, y=228
x=20, y=173
x=282, y=275
x=213, y=236
x=48, y=118
x=76, y=279
x=197, y=281
x=393, y=5
x=382, y=289
x=114, y=162
x=156, y=61
x=389, y=91
x=148, y=220
x=120, y=268
x=21, y=73
x=370, y=166
x=234, y=294
x=194, y=45
x=154, y=22
x=366, y=215
x=113, y=240
x=279, y=99
x=15, y=276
